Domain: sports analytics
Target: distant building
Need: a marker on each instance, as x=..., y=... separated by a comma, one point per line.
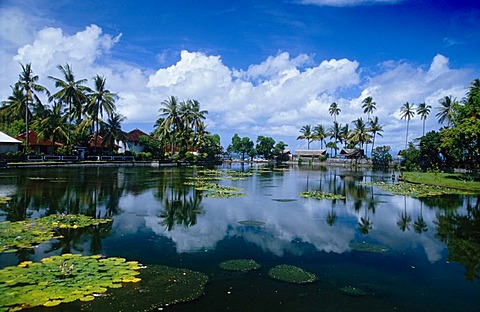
x=133, y=141
x=310, y=153
x=8, y=144
x=39, y=145
x=352, y=153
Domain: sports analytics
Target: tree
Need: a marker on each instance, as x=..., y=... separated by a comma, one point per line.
x=368, y=106
x=381, y=156
x=336, y=133
x=319, y=134
x=375, y=128
x=334, y=111
x=446, y=110
x=407, y=112
x=28, y=84
x=211, y=146
x=430, y=149
x=100, y=100
x=265, y=146
x=72, y=92
x=169, y=120
x=15, y=106
x=54, y=126
x=359, y=135
x=112, y=131
x=306, y=134
x=423, y=110
x=241, y=145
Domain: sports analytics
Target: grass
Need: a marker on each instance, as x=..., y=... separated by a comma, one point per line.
x=459, y=181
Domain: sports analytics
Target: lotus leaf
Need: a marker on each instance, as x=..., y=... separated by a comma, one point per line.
x=321, y=195
x=252, y=223
x=417, y=190
x=353, y=291
x=240, y=265
x=26, y=234
x=220, y=194
x=160, y=286
x=368, y=247
x=61, y=279
x=291, y=274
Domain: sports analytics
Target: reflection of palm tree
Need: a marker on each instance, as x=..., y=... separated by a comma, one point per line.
x=365, y=225
x=331, y=217
x=420, y=225
x=181, y=208
x=404, y=219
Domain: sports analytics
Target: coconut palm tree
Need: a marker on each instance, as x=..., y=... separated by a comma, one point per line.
x=423, y=110
x=198, y=115
x=407, y=112
x=14, y=107
x=112, y=130
x=446, y=110
x=306, y=134
x=375, y=128
x=335, y=132
x=72, y=92
x=320, y=134
x=99, y=100
x=368, y=106
x=54, y=126
x=360, y=133
x=344, y=134
x=28, y=84
x=334, y=111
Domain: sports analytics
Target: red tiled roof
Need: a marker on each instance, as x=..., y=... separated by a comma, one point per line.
x=34, y=140
x=134, y=135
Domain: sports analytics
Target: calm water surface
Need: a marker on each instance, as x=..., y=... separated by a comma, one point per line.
x=431, y=246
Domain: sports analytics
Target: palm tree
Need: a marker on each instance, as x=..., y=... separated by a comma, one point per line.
x=28, y=84
x=100, y=99
x=71, y=93
x=320, y=134
x=368, y=106
x=407, y=112
x=334, y=111
x=198, y=116
x=375, y=128
x=336, y=133
x=54, y=126
x=360, y=133
x=14, y=107
x=344, y=134
x=446, y=110
x=306, y=134
x=112, y=130
x=423, y=110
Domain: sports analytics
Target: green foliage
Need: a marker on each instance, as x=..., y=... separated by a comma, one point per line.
x=151, y=146
x=412, y=157
x=321, y=195
x=353, y=291
x=265, y=146
x=418, y=190
x=381, y=156
x=241, y=265
x=291, y=274
x=13, y=128
x=63, y=279
x=368, y=247
x=26, y=234
x=241, y=145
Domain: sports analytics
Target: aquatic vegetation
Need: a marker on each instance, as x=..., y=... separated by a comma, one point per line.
x=219, y=191
x=240, y=265
x=161, y=286
x=223, y=194
x=353, y=291
x=63, y=279
x=291, y=274
x=252, y=223
x=26, y=234
x=321, y=195
x=5, y=199
x=368, y=247
x=417, y=190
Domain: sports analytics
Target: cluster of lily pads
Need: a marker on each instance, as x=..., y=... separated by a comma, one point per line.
x=416, y=190
x=62, y=279
x=368, y=247
x=26, y=234
x=321, y=195
x=218, y=191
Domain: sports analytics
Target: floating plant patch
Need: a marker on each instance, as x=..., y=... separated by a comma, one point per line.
x=291, y=274
x=221, y=194
x=418, y=190
x=26, y=234
x=5, y=199
x=353, y=291
x=219, y=191
x=321, y=195
x=161, y=286
x=367, y=247
x=62, y=279
x=241, y=265
x=252, y=223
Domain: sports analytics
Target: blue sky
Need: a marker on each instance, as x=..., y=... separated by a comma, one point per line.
x=259, y=67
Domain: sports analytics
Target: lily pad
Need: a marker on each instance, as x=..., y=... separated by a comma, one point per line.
x=291, y=274
x=161, y=286
x=240, y=265
x=368, y=247
x=353, y=291
x=61, y=279
x=321, y=195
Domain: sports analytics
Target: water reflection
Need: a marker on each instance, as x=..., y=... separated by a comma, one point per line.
x=156, y=199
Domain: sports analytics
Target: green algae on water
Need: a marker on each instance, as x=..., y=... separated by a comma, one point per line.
x=321, y=195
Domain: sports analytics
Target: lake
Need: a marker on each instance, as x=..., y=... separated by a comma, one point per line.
x=397, y=253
